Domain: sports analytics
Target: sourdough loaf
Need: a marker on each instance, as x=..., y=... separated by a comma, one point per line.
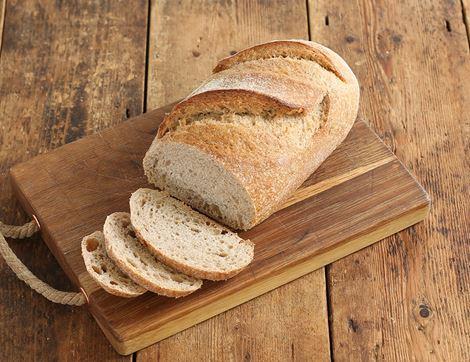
x=185, y=239
x=240, y=144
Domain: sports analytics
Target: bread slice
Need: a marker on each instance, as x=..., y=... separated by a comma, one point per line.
x=185, y=239
x=103, y=270
x=136, y=261
x=239, y=145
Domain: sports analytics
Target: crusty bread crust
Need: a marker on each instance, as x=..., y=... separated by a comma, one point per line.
x=251, y=92
x=295, y=48
x=270, y=170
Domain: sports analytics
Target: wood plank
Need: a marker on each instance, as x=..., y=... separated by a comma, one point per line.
x=213, y=30
x=66, y=70
x=3, y=7
x=76, y=186
x=466, y=18
x=408, y=298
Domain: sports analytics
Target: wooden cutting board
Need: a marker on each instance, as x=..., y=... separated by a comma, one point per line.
x=360, y=194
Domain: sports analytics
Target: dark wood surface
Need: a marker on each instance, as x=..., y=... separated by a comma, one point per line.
x=406, y=298
x=359, y=195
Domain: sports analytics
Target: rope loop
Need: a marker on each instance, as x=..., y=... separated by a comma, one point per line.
x=23, y=273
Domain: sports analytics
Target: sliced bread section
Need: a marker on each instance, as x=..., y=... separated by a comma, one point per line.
x=103, y=270
x=137, y=262
x=185, y=239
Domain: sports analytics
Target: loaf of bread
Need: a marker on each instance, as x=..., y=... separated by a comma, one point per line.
x=240, y=144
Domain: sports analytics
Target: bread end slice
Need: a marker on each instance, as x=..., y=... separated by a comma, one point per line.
x=103, y=270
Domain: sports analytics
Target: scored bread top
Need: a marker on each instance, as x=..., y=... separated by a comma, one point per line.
x=245, y=83
x=103, y=270
x=136, y=260
x=185, y=239
x=295, y=48
x=256, y=92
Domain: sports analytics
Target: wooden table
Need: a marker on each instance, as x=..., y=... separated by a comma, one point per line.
x=69, y=70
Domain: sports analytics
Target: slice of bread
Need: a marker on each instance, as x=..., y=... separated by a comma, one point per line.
x=136, y=260
x=103, y=270
x=185, y=239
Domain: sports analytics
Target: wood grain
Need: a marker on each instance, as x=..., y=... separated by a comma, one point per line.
x=466, y=18
x=66, y=70
x=177, y=64
x=3, y=7
x=76, y=186
x=408, y=298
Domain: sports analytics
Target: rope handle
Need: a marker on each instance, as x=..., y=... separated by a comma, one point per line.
x=23, y=273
